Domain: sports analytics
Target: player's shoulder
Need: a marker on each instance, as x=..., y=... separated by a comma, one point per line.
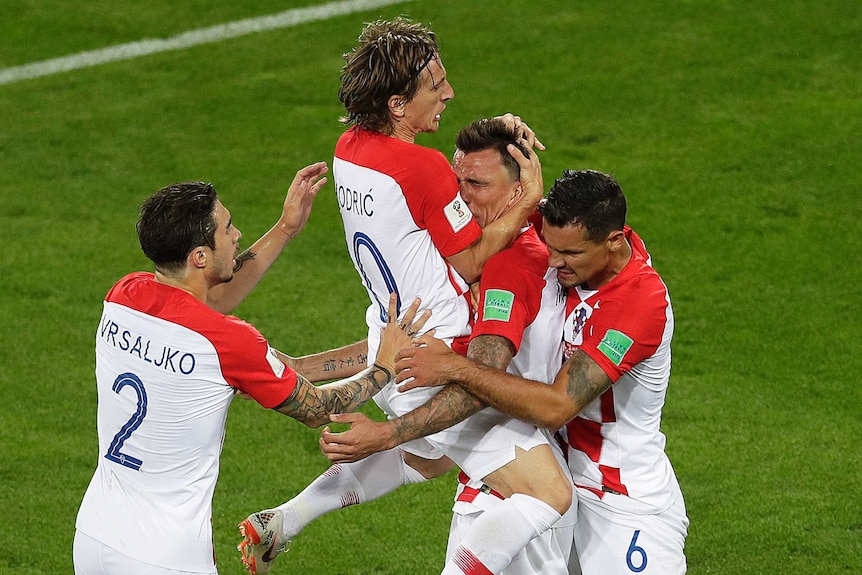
x=526, y=255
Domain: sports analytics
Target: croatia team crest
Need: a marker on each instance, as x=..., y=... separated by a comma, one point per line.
x=574, y=327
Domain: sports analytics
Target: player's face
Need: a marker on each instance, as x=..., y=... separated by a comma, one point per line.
x=578, y=260
x=422, y=113
x=485, y=183
x=227, y=238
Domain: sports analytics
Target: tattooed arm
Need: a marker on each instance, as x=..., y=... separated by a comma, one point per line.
x=333, y=364
x=312, y=405
x=451, y=405
x=579, y=382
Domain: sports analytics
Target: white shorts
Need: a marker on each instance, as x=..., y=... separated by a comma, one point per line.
x=613, y=542
x=91, y=557
x=479, y=445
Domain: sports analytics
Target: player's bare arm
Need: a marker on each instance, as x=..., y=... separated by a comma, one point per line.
x=584, y=380
x=366, y=436
x=331, y=364
x=581, y=380
x=451, y=405
x=257, y=259
x=313, y=405
x=499, y=234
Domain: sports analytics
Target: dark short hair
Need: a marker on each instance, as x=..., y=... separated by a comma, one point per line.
x=491, y=133
x=387, y=61
x=174, y=221
x=587, y=198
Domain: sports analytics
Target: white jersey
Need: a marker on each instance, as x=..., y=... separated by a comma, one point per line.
x=166, y=370
x=616, y=445
x=521, y=300
x=403, y=215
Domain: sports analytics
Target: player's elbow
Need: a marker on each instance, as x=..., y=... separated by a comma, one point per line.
x=471, y=273
x=555, y=416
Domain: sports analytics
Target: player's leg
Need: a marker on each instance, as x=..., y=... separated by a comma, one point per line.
x=499, y=535
x=520, y=461
x=613, y=542
x=268, y=532
x=345, y=484
x=547, y=554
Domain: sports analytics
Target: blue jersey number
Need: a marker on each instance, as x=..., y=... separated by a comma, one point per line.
x=114, y=454
x=360, y=241
x=636, y=552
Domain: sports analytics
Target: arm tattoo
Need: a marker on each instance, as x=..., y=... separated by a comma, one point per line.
x=312, y=405
x=585, y=379
x=454, y=404
x=242, y=258
x=491, y=350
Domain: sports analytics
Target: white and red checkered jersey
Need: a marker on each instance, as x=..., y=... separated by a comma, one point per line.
x=167, y=367
x=403, y=215
x=521, y=300
x=625, y=326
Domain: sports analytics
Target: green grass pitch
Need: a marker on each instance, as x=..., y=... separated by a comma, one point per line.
x=735, y=128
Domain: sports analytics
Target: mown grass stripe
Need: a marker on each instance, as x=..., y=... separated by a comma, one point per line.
x=209, y=35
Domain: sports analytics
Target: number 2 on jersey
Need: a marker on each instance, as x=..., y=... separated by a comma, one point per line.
x=114, y=454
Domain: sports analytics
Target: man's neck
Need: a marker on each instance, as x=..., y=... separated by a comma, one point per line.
x=197, y=288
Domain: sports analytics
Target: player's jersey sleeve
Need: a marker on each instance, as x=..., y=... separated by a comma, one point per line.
x=256, y=369
x=508, y=301
x=622, y=334
x=431, y=190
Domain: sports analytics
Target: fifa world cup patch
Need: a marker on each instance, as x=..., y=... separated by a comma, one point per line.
x=274, y=363
x=614, y=345
x=498, y=305
x=457, y=214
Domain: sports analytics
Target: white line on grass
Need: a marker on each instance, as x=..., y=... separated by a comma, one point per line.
x=192, y=38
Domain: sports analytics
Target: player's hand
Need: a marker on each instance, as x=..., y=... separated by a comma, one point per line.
x=300, y=197
x=531, y=176
x=365, y=437
x=522, y=131
x=426, y=363
x=399, y=333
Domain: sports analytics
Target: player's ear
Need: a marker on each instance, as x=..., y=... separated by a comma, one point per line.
x=615, y=240
x=396, y=106
x=198, y=257
x=518, y=192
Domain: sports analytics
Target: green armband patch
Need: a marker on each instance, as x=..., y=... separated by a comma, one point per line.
x=614, y=345
x=498, y=305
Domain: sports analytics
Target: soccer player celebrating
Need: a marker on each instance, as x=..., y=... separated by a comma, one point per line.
x=409, y=232
x=168, y=366
x=610, y=392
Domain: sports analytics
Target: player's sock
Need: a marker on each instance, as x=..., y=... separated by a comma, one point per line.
x=497, y=535
x=346, y=484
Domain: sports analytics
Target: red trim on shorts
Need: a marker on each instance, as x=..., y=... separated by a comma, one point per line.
x=468, y=494
x=467, y=562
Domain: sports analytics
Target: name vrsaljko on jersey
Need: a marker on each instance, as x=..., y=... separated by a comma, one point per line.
x=173, y=360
